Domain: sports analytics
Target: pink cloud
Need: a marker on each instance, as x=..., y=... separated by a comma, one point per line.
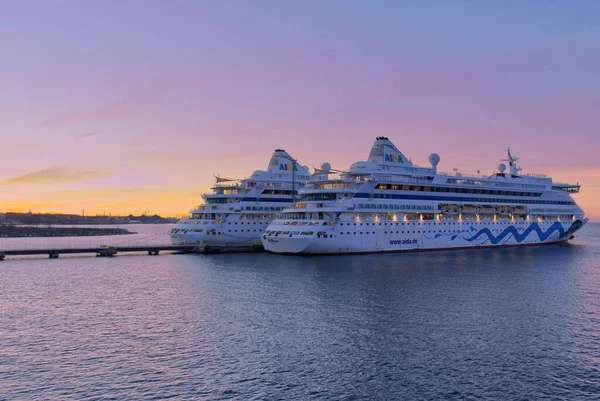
x=102, y=113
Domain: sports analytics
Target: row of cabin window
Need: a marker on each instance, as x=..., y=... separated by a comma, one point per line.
x=265, y=208
x=481, y=200
x=463, y=190
x=319, y=196
x=279, y=192
x=463, y=181
x=393, y=206
x=213, y=201
x=276, y=233
x=258, y=217
x=302, y=223
x=412, y=232
x=213, y=232
x=439, y=223
x=262, y=219
x=407, y=232
x=552, y=210
x=299, y=183
x=193, y=230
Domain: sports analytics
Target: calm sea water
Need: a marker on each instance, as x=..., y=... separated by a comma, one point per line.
x=492, y=324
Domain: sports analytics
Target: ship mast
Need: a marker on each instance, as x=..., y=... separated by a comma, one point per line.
x=512, y=162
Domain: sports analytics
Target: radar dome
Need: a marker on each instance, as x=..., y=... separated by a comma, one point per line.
x=502, y=167
x=434, y=159
x=326, y=167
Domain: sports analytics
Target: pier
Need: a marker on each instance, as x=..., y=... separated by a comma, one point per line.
x=110, y=251
x=102, y=251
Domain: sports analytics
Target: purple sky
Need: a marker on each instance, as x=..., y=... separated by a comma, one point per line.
x=132, y=105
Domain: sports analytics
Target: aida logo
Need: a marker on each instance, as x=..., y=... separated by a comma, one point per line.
x=288, y=167
x=393, y=158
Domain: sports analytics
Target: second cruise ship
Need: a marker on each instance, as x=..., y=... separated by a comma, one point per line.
x=387, y=204
x=236, y=212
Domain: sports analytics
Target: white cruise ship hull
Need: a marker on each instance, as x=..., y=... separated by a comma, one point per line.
x=347, y=238
x=211, y=233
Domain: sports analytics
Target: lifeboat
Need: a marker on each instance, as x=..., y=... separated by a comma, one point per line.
x=448, y=208
x=520, y=209
x=469, y=209
x=487, y=209
x=503, y=209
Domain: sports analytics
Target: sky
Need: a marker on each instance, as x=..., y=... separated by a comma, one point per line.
x=132, y=106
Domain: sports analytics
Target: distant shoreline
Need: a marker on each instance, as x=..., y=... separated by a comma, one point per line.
x=11, y=231
x=70, y=219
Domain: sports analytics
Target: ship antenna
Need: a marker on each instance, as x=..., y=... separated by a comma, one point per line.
x=512, y=162
x=294, y=164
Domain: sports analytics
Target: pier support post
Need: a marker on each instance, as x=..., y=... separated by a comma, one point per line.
x=211, y=249
x=108, y=252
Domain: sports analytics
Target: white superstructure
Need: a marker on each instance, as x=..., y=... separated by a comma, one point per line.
x=387, y=204
x=237, y=211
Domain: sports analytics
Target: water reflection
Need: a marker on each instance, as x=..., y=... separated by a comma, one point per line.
x=501, y=324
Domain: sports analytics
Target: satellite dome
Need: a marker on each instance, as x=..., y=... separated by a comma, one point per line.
x=502, y=167
x=326, y=167
x=434, y=159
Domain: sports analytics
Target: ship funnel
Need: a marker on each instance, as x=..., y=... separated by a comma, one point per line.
x=282, y=161
x=384, y=151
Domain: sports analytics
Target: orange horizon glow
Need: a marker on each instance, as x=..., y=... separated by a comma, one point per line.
x=178, y=200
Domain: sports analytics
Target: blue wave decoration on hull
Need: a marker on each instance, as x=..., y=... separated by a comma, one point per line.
x=519, y=237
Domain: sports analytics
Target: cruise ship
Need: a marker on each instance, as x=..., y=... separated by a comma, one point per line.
x=387, y=204
x=236, y=212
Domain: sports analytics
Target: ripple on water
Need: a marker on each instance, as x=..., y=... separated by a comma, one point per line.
x=492, y=324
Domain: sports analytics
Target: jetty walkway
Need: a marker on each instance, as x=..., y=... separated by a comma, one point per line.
x=109, y=251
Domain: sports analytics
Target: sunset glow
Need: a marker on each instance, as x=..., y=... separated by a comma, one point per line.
x=131, y=107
